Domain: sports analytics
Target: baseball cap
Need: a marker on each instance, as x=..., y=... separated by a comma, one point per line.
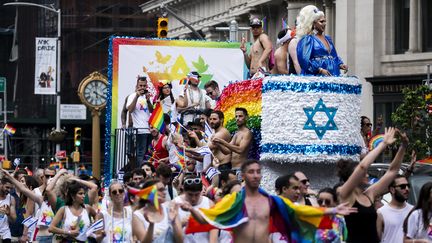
x=194, y=74
x=255, y=22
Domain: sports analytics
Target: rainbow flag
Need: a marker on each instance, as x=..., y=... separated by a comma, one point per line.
x=183, y=81
x=181, y=155
x=284, y=24
x=56, y=165
x=9, y=130
x=156, y=119
x=149, y=193
x=297, y=222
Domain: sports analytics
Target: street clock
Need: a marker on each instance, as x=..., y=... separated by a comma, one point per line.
x=93, y=91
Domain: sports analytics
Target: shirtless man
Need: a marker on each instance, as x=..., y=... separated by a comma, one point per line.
x=216, y=122
x=260, y=49
x=241, y=141
x=256, y=229
x=281, y=53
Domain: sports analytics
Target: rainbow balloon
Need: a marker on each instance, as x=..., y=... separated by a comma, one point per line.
x=375, y=141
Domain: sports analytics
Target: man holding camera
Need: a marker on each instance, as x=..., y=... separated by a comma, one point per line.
x=193, y=100
x=140, y=108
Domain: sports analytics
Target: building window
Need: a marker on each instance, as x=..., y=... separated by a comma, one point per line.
x=401, y=24
x=426, y=8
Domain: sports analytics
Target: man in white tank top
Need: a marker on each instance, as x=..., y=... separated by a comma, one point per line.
x=7, y=209
x=391, y=216
x=192, y=186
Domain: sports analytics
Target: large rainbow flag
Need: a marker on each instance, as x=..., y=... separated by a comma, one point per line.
x=298, y=223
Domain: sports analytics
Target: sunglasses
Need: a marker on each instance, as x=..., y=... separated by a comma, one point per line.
x=49, y=176
x=210, y=93
x=368, y=124
x=325, y=201
x=120, y=191
x=403, y=186
x=191, y=181
x=304, y=181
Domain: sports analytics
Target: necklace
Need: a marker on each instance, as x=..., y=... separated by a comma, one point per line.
x=192, y=98
x=123, y=231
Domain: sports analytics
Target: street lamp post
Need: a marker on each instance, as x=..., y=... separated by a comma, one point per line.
x=58, y=11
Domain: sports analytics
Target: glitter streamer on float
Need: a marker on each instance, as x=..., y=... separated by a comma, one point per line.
x=246, y=94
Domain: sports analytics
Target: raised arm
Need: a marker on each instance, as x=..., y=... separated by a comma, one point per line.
x=382, y=185
x=52, y=197
x=247, y=58
x=360, y=171
x=92, y=193
x=131, y=102
x=23, y=189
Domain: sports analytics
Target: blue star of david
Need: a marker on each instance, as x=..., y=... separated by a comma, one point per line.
x=310, y=123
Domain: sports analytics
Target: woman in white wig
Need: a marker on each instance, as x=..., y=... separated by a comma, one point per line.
x=316, y=53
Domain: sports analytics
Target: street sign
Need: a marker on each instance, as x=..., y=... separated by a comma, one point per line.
x=73, y=112
x=2, y=84
x=60, y=154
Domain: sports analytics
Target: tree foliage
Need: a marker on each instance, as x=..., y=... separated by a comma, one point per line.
x=412, y=116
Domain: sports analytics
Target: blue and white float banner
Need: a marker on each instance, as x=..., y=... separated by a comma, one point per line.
x=310, y=119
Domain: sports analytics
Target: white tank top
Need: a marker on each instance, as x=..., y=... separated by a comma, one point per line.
x=4, y=224
x=118, y=230
x=82, y=222
x=393, y=222
x=160, y=227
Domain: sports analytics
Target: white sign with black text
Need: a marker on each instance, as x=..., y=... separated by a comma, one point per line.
x=73, y=112
x=45, y=66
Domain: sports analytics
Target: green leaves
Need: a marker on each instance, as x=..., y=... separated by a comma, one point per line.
x=200, y=65
x=413, y=117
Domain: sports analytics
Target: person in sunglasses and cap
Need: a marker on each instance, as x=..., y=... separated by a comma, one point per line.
x=260, y=50
x=192, y=188
x=193, y=100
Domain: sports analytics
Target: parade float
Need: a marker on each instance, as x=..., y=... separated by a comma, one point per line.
x=297, y=121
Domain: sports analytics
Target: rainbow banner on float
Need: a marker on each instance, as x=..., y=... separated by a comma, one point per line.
x=310, y=119
x=164, y=60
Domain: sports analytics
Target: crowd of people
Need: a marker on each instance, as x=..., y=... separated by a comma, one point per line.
x=196, y=168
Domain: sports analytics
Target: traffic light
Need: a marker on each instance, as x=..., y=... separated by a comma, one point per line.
x=77, y=136
x=162, y=27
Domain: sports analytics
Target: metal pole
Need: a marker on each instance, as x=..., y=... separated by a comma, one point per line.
x=58, y=83
x=5, y=120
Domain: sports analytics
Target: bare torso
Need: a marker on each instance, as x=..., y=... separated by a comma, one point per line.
x=280, y=66
x=257, y=228
x=238, y=159
x=256, y=52
x=224, y=134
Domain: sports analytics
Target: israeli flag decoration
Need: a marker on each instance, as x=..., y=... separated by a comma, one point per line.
x=310, y=119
